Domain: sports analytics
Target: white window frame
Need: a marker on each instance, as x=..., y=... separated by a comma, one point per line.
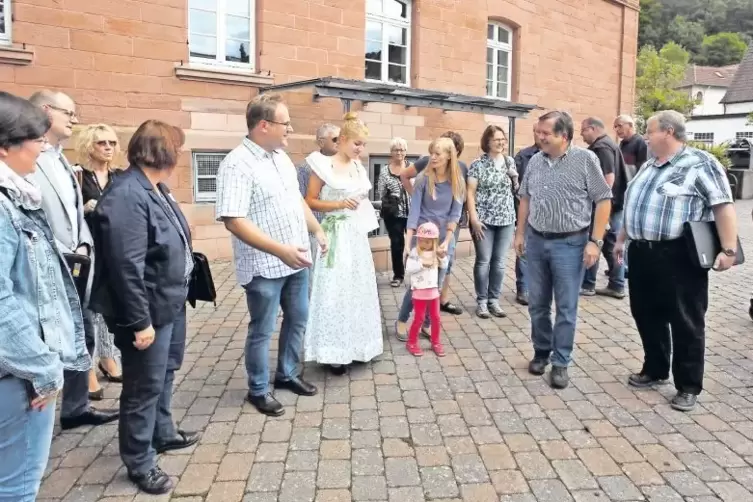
x=744, y=135
x=400, y=23
x=200, y=196
x=5, y=38
x=496, y=47
x=221, y=38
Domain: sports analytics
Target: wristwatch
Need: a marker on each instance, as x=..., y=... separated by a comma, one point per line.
x=599, y=242
x=729, y=252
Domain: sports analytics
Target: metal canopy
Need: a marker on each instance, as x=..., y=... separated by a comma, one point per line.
x=374, y=92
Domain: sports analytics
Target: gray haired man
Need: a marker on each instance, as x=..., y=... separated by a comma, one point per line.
x=62, y=204
x=326, y=139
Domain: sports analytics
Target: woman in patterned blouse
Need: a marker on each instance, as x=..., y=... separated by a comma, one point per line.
x=492, y=180
x=395, y=203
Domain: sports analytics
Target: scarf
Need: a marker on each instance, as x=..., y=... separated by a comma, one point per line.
x=20, y=190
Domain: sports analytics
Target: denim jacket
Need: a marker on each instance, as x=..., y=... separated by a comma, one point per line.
x=41, y=325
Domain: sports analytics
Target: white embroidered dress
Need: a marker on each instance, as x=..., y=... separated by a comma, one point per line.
x=345, y=321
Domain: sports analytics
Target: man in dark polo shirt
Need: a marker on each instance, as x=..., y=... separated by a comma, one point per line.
x=560, y=187
x=613, y=166
x=521, y=163
x=632, y=145
x=410, y=172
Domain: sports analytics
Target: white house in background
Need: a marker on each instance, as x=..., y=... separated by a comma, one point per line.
x=725, y=99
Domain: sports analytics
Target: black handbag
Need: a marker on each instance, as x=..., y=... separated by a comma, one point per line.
x=201, y=286
x=390, y=206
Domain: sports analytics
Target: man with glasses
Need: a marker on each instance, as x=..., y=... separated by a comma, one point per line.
x=259, y=201
x=63, y=206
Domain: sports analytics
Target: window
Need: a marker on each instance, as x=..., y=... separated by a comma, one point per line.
x=744, y=135
x=498, y=61
x=205, y=166
x=704, y=137
x=388, y=40
x=221, y=32
x=5, y=21
x=699, y=97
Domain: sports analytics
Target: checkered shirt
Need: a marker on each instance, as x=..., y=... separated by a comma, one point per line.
x=262, y=187
x=661, y=197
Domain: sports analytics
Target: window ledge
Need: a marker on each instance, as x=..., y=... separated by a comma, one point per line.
x=16, y=55
x=222, y=75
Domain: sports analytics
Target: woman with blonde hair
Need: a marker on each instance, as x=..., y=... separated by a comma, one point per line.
x=438, y=196
x=97, y=147
x=345, y=323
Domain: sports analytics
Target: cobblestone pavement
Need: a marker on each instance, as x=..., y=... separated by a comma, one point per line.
x=474, y=426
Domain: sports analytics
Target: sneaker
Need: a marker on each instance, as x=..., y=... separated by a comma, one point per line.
x=154, y=482
x=612, y=293
x=559, y=378
x=438, y=349
x=587, y=292
x=482, y=311
x=414, y=349
x=538, y=365
x=450, y=308
x=522, y=297
x=642, y=380
x=683, y=401
x=401, y=331
x=496, y=310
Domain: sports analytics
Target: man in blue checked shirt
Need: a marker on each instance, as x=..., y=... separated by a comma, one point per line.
x=668, y=292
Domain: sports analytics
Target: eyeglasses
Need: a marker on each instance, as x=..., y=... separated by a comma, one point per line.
x=71, y=114
x=107, y=143
x=286, y=124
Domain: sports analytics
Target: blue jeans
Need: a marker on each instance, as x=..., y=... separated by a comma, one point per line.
x=616, y=271
x=145, y=401
x=25, y=438
x=264, y=298
x=555, y=268
x=491, y=255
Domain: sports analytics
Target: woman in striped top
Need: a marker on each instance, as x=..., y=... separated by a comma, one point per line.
x=395, y=203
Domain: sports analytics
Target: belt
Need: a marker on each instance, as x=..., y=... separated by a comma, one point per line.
x=668, y=244
x=557, y=235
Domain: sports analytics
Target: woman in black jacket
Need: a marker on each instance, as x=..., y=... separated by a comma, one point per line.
x=144, y=264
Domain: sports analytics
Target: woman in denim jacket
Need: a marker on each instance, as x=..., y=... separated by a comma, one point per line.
x=41, y=328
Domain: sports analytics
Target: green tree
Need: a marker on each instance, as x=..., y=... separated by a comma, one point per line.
x=650, y=28
x=688, y=34
x=658, y=75
x=722, y=49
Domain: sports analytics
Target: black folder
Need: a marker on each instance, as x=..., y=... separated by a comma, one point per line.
x=704, y=245
x=80, y=267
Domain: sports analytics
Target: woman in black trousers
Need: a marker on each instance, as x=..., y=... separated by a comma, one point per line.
x=395, y=203
x=141, y=284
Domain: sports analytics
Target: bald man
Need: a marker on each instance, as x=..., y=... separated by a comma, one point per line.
x=62, y=204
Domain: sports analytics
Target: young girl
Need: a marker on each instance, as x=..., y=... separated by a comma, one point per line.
x=421, y=269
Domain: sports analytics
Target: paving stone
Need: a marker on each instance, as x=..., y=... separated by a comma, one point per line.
x=439, y=482
x=265, y=477
x=619, y=488
x=298, y=487
x=509, y=481
x=687, y=484
x=730, y=491
x=367, y=462
x=550, y=490
x=302, y=461
x=642, y=473
x=272, y=452
x=574, y=474
x=335, y=449
x=197, y=479
x=469, y=469
x=401, y=472
x=333, y=474
x=369, y=488
x=226, y=492
x=406, y=494
x=598, y=462
x=429, y=456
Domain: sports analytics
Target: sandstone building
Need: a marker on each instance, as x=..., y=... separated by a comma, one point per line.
x=196, y=63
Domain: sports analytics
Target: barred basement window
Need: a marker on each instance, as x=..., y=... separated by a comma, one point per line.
x=704, y=137
x=205, y=166
x=6, y=15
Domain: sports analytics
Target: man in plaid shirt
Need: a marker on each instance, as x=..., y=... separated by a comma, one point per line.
x=669, y=293
x=259, y=201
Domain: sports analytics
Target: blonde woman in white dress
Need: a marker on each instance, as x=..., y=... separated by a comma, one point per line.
x=345, y=322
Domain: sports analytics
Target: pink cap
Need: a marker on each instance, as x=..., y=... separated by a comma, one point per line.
x=427, y=231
